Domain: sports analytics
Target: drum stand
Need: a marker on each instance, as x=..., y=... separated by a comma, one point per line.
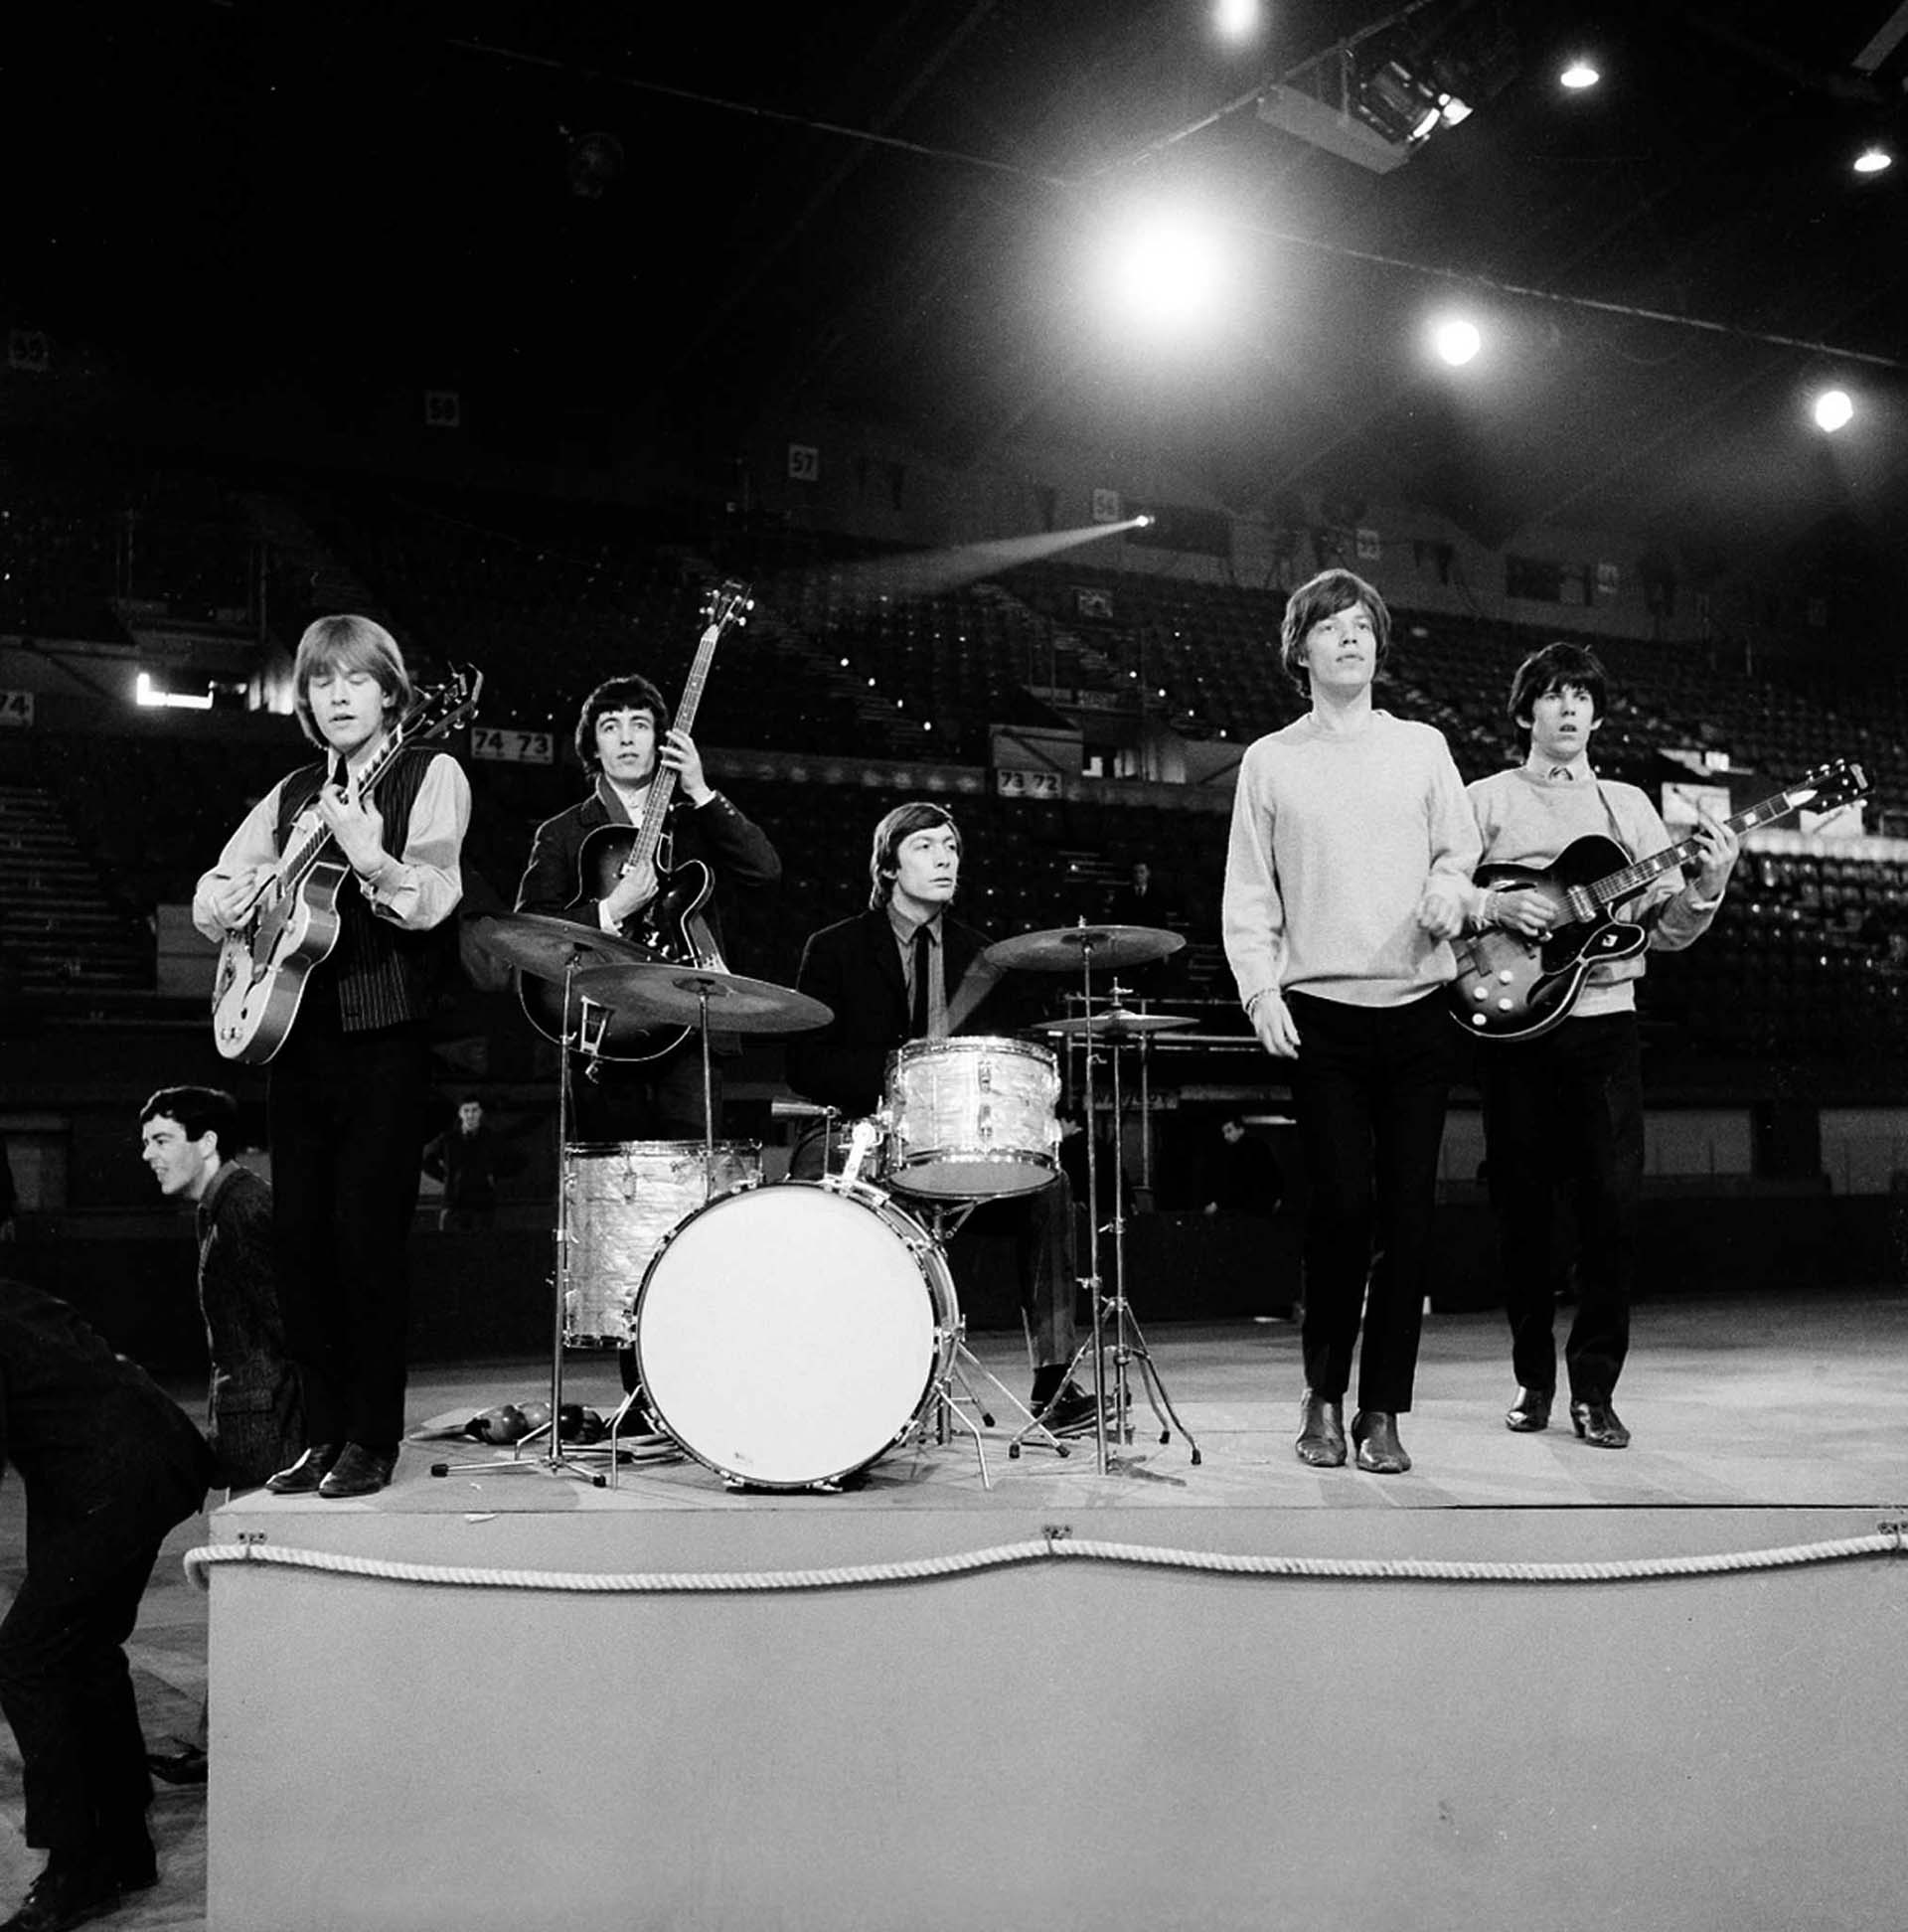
x=1127, y=1343
x=554, y=1462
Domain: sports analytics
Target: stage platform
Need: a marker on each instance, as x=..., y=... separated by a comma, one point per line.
x=1241, y=1700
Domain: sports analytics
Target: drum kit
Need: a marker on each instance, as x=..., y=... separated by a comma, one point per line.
x=788, y=1336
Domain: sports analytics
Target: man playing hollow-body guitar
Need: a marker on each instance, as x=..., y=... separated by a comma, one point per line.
x=623, y=739
x=1563, y=1110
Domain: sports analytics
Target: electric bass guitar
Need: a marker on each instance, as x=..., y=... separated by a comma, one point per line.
x=669, y=927
x=292, y=922
x=1510, y=988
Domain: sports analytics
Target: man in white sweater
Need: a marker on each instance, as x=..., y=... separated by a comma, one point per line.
x=1347, y=875
x=1563, y=1113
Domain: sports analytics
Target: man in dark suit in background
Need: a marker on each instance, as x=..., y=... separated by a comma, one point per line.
x=908, y=968
x=110, y=1463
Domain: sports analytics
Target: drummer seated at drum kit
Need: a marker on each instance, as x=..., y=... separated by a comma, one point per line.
x=907, y=971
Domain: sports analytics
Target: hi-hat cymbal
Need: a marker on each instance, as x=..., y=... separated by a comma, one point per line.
x=1062, y=949
x=546, y=947
x=669, y=993
x=1118, y=1023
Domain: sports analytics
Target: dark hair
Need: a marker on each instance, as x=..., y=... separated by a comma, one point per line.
x=347, y=644
x=1325, y=596
x=199, y=1111
x=617, y=695
x=901, y=823
x=1555, y=668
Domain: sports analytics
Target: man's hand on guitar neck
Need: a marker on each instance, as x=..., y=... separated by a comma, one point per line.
x=679, y=754
x=1717, y=850
x=359, y=829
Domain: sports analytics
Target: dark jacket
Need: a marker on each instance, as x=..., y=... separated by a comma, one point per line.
x=732, y=846
x=104, y=1452
x=855, y=968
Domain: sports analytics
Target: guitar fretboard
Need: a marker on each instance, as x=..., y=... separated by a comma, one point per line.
x=1620, y=886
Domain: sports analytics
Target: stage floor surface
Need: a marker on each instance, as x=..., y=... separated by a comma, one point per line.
x=1738, y=1407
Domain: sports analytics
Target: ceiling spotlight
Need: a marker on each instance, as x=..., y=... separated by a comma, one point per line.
x=1872, y=160
x=1236, y=20
x=1835, y=410
x=1456, y=340
x=1578, y=75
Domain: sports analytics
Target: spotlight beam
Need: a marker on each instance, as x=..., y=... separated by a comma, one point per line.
x=925, y=573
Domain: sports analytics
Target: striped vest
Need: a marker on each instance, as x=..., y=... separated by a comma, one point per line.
x=378, y=974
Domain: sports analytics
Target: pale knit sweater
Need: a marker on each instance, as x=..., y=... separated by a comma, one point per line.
x=1527, y=819
x=1333, y=836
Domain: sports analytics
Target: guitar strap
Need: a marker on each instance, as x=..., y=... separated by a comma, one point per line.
x=1650, y=914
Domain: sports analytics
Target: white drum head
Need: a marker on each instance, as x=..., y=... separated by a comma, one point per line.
x=788, y=1336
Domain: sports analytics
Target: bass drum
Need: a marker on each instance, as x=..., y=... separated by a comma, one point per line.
x=790, y=1335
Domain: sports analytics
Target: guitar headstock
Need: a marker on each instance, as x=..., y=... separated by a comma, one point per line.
x=441, y=709
x=1829, y=787
x=726, y=607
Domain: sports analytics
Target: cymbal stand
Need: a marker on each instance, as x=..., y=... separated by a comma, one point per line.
x=554, y=1462
x=629, y=1401
x=1130, y=1343
x=941, y=1222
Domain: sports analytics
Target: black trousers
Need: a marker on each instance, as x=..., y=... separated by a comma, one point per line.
x=1564, y=1123
x=348, y=1117
x=65, y=1685
x=1369, y=1087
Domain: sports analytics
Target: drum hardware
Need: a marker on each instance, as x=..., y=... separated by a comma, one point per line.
x=1113, y=946
x=530, y=937
x=661, y=990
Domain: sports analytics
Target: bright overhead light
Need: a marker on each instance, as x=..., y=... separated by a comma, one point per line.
x=145, y=691
x=1578, y=75
x=1835, y=410
x=1236, y=20
x=1456, y=340
x=1872, y=160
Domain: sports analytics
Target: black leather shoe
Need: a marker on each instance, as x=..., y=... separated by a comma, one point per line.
x=1530, y=1412
x=357, y=1471
x=1598, y=1424
x=64, y=1896
x=1320, y=1438
x=135, y=1868
x=1380, y=1453
x=304, y=1476
x=1070, y=1412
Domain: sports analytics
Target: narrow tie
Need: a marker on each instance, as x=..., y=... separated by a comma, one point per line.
x=918, y=1020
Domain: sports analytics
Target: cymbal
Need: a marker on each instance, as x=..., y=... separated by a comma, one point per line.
x=1061, y=950
x=666, y=991
x=546, y=947
x=1118, y=1023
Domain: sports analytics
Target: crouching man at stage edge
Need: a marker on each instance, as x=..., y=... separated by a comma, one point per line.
x=1563, y=1113
x=110, y=1464
x=1347, y=877
x=350, y=1086
x=898, y=972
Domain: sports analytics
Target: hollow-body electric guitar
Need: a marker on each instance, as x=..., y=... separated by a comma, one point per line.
x=1510, y=988
x=669, y=927
x=292, y=922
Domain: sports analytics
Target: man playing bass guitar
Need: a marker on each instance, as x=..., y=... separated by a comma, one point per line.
x=348, y=1088
x=1563, y=1107
x=642, y=1090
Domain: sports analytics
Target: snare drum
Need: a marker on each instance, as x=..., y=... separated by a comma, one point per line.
x=790, y=1335
x=623, y=1197
x=972, y=1117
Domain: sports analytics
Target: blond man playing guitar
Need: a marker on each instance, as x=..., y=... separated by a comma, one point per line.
x=359, y=970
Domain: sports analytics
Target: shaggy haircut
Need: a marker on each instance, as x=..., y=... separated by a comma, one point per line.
x=1325, y=596
x=200, y=1112
x=1557, y=667
x=901, y=823
x=617, y=695
x=348, y=644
